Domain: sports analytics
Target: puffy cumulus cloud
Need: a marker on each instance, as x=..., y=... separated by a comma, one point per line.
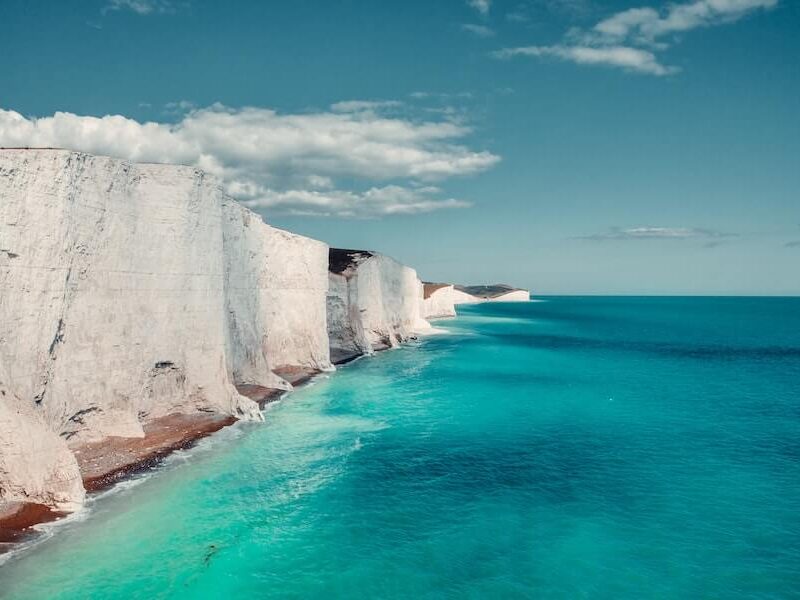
x=658, y=233
x=271, y=159
x=112, y=135
x=631, y=59
x=628, y=39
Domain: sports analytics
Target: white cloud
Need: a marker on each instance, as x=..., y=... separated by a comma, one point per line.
x=482, y=6
x=646, y=24
x=421, y=95
x=632, y=59
x=141, y=7
x=629, y=39
x=353, y=106
x=479, y=30
x=374, y=202
x=662, y=233
x=179, y=107
x=269, y=158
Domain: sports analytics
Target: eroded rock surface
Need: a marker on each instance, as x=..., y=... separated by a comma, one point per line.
x=373, y=303
x=438, y=301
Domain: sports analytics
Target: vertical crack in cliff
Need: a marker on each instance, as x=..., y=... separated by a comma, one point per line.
x=75, y=165
x=78, y=249
x=57, y=338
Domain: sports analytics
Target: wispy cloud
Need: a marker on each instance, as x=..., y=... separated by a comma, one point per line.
x=658, y=233
x=630, y=39
x=356, y=106
x=645, y=25
x=141, y=7
x=422, y=95
x=479, y=30
x=528, y=10
x=517, y=16
x=179, y=107
x=482, y=6
x=286, y=162
x=374, y=202
x=631, y=59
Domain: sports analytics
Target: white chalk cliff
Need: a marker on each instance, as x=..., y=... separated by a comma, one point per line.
x=462, y=297
x=35, y=465
x=438, y=301
x=130, y=293
x=373, y=303
x=275, y=288
x=489, y=293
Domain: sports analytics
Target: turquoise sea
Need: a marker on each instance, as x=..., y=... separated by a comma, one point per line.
x=568, y=448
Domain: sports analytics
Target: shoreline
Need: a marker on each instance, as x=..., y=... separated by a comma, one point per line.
x=113, y=460
x=106, y=463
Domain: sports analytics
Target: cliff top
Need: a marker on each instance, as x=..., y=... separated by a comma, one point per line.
x=429, y=287
x=341, y=259
x=130, y=161
x=487, y=291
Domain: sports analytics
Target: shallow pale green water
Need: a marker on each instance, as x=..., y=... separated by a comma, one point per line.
x=573, y=448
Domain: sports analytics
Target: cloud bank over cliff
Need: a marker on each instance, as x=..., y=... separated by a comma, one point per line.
x=289, y=163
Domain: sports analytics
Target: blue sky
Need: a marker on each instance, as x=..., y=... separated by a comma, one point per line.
x=572, y=146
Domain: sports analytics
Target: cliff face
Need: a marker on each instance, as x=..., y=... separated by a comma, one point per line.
x=373, y=303
x=512, y=296
x=112, y=292
x=462, y=297
x=131, y=292
x=438, y=301
x=35, y=464
x=276, y=283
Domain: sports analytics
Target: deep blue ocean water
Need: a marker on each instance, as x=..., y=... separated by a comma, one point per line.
x=571, y=448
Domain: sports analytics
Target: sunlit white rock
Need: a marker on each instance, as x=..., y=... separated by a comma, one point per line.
x=373, y=303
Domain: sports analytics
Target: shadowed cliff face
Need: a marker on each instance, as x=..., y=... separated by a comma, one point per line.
x=341, y=260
